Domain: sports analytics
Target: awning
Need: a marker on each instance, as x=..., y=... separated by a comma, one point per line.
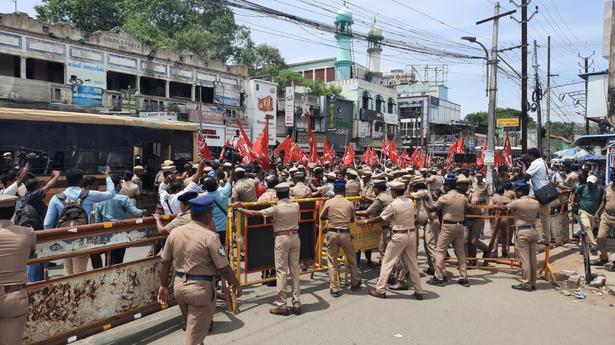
x=593, y=140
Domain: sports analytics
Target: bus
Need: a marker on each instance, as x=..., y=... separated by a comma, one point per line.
x=65, y=140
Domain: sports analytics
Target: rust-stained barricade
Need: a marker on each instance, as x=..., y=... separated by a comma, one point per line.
x=68, y=308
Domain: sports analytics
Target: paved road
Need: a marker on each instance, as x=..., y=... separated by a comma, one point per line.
x=489, y=312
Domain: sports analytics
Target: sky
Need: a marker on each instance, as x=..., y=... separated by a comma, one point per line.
x=575, y=28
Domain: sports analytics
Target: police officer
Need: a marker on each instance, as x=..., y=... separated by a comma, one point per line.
x=453, y=206
x=353, y=186
x=271, y=182
x=401, y=214
x=17, y=243
x=287, y=247
x=367, y=191
x=383, y=199
x=606, y=212
x=424, y=221
x=340, y=213
x=475, y=226
x=197, y=256
x=300, y=190
x=504, y=236
x=182, y=218
x=244, y=189
x=526, y=211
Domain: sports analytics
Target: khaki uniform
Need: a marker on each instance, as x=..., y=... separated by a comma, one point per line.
x=269, y=195
x=526, y=212
x=353, y=188
x=137, y=180
x=300, y=191
x=401, y=214
x=510, y=194
x=382, y=200
x=195, y=250
x=15, y=245
x=244, y=191
x=503, y=230
x=453, y=206
x=368, y=189
x=131, y=190
x=424, y=222
x=182, y=218
x=475, y=226
x=607, y=221
x=287, y=248
x=434, y=182
x=340, y=213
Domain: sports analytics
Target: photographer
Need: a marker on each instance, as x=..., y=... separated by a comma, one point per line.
x=538, y=174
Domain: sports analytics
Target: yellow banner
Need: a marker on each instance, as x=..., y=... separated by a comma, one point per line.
x=508, y=122
x=365, y=237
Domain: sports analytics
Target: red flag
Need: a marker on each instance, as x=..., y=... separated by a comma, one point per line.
x=226, y=143
x=366, y=157
x=348, y=157
x=246, y=146
x=326, y=152
x=393, y=154
x=481, y=159
x=420, y=160
x=284, y=145
x=460, y=145
x=429, y=156
x=261, y=146
x=507, y=152
x=414, y=157
x=386, y=146
x=498, y=159
x=204, y=152
x=375, y=159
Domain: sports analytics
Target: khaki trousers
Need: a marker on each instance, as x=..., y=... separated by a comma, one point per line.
x=334, y=242
x=430, y=240
x=451, y=233
x=76, y=264
x=385, y=237
x=287, y=249
x=401, y=246
x=589, y=223
x=196, y=300
x=603, y=232
x=13, y=315
x=526, y=250
x=473, y=232
x=544, y=228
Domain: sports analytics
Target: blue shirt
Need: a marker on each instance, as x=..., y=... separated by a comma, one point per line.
x=72, y=193
x=117, y=208
x=222, y=197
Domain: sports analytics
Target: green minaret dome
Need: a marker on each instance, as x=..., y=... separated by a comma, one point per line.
x=344, y=15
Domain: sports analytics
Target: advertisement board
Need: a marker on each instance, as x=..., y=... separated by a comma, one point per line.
x=262, y=103
x=508, y=122
x=339, y=122
x=205, y=114
x=87, y=96
x=86, y=74
x=159, y=115
x=215, y=135
x=226, y=94
x=289, y=111
x=129, y=101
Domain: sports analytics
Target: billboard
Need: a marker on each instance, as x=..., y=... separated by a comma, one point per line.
x=262, y=103
x=158, y=115
x=339, y=128
x=289, y=112
x=86, y=74
x=215, y=135
x=227, y=94
x=205, y=113
x=87, y=96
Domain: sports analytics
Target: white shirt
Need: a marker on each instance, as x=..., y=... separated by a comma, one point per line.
x=170, y=202
x=539, y=174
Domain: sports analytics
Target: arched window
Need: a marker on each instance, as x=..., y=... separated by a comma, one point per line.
x=366, y=98
x=379, y=104
x=391, y=106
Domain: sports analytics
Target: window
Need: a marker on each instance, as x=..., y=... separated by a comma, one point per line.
x=366, y=98
x=379, y=103
x=391, y=106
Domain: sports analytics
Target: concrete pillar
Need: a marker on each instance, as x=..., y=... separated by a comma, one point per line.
x=22, y=67
x=193, y=93
x=167, y=89
x=138, y=86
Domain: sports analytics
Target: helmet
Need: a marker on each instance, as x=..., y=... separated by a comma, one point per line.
x=450, y=180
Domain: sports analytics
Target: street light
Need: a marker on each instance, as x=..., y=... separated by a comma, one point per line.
x=472, y=39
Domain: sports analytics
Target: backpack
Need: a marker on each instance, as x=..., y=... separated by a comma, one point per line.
x=26, y=215
x=73, y=213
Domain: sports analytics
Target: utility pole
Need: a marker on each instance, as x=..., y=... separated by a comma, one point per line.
x=537, y=97
x=585, y=69
x=493, y=86
x=549, y=75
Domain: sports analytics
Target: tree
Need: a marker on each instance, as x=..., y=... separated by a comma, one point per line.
x=316, y=87
x=263, y=60
x=87, y=15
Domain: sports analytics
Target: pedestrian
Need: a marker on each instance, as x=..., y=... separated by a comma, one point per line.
x=18, y=243
x=606, y=213
x=588, y=197
x=339, y=213
x=73, y=207
x=196, y=255
x=401, y=214
x=119, y=207
x=285, y=221
x=526, y=211
x=453, y=206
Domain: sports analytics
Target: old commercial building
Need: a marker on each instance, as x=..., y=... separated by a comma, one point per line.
x=62, y=68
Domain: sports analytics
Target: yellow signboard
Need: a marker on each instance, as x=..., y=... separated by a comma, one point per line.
x=365, y=237
x=508, y=122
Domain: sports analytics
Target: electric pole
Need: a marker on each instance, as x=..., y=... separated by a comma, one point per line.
x=585, y=69
x=536, y=98
x=549, y=75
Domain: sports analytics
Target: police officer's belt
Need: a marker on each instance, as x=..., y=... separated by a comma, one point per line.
x=402, y=231
x=13, y=287
x=452, y=222
x=193, y=277
x=340, y=230
x=286, y=232
x=524, y=227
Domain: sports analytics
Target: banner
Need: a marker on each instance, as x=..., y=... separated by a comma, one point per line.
x=214, y=134
x=87, y=96
x=158, y=115
x=289, y=111
x=205, y=113
x=86, y=74
x=365, y=237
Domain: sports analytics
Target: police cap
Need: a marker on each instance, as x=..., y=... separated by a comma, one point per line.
x=202, y=203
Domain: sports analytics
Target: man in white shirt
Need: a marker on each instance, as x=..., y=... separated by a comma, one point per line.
x=538, y=174
x=169, y=199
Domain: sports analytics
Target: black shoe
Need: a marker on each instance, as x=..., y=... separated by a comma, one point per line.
x=533, y=287
x=357, y=286
x=521, y=287
x=436, y=282
x=464, y=282
x=418, y=296
x=429, y=271
x=598, y=262
x=334, y=293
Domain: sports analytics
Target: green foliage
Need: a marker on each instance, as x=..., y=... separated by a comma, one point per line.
x=204, y=27
x=317, y=87
x=564, y=129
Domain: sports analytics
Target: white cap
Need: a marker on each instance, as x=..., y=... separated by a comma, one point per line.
x=592, y=179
